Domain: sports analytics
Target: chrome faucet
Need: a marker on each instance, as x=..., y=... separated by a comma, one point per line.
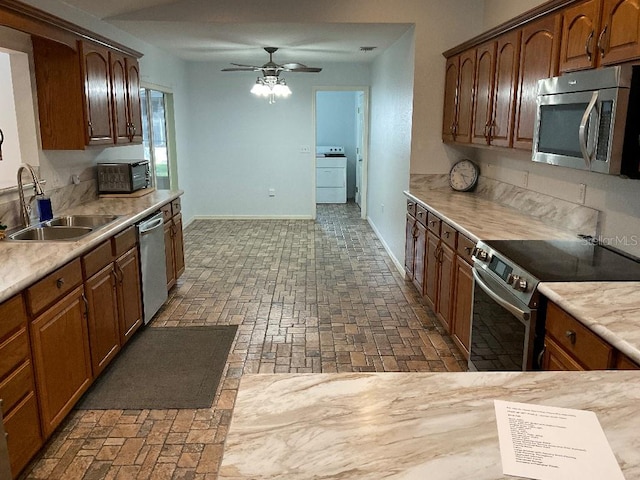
x=25, y=208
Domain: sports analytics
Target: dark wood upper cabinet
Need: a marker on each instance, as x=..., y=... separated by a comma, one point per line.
x=580, y=33
x=86, y=96
x=458, y=97
x=620, y=35
x=121, y=125
x=450, y=99
x=496, y=80
x=97, y=85
x=483, y=106
x=538, y=60
x=133, y=99
x=505, y=87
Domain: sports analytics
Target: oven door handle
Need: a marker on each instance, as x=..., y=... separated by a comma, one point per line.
x=521, y=314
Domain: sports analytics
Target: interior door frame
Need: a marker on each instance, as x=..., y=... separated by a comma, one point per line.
x=365, y=141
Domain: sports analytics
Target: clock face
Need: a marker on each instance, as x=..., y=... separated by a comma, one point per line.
x=463, y=176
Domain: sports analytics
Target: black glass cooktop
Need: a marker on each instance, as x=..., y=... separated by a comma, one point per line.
x=568, y=260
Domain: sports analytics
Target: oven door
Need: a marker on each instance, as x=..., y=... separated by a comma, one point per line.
x=502, y=328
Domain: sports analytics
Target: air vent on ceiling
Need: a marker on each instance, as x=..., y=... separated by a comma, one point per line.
x=367, y=49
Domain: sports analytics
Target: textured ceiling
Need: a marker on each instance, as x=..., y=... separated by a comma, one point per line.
x=305, y=31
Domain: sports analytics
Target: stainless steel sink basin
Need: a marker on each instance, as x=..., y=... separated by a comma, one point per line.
x=69, y=227
x=51, y=233
x=91, y=221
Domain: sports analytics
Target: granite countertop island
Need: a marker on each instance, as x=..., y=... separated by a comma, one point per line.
x=436, y=426
x=24, y=262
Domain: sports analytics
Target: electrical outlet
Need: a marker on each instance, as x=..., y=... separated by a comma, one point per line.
x=582, y=193
x=272, y=192
x=525, y=179
x=305, y=149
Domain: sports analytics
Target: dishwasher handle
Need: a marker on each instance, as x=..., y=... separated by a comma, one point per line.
x=151, y=225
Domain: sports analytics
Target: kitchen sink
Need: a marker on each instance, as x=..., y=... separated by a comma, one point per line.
x=51, y=233
x=68, y=227
x=91, y=221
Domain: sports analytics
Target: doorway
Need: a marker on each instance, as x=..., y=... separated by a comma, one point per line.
x=341, y=119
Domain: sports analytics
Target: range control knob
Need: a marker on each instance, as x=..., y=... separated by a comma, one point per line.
x=520, y=285
x=481, y=254
x=512, y=279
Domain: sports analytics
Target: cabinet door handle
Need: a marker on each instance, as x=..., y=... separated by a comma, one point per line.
x=600, y=41
x=541, y=356
x=120, y=274
x=571, y=335
x=587, y=45
x=86, y=306
x=446, y=234
x=60, y=282
x=90, y=129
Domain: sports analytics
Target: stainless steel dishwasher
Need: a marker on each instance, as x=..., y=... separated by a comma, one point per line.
x=152, y=264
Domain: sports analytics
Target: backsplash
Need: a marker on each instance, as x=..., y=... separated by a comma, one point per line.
x=551, y=210
x=62, y=198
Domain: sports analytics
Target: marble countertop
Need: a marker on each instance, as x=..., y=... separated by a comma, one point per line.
x=439, y=426
x=482, y=219
x=25, y=262
x=610, y=309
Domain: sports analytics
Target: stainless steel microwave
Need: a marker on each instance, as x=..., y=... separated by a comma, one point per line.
x=583, y=118
x=124, y=176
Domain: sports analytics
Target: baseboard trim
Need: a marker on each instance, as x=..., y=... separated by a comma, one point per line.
x=395, y=261
x=252, y=217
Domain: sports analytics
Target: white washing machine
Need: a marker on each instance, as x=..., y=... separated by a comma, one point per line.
x=331, y=175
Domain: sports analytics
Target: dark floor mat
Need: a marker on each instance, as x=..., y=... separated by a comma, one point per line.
x=162, y=368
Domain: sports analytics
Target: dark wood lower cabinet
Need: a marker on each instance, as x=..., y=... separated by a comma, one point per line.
x=62, y=358
x=129, y=294
x=446, y=274
x=461, y=303
x=104, y=333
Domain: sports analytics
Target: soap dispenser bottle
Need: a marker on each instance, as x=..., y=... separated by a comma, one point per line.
x=45, y=211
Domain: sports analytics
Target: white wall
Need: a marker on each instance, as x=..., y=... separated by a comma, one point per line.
x=240, y=146
x=336, y=125
x=499, y=11
x=390, y=144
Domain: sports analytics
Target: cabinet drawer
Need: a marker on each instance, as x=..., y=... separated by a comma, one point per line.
x=12, y=317
x=421, y=215
x=433, y=223
x=176, y=207
x=23, y=433
x=124, y=241
x=625, y=363
x=465, y=248
x=589, y=349
x=411, y=208
x=448, y=234
x=166, y=212
x=54, y=286
x=13, y=352
x=16, y=386
x=97, y=259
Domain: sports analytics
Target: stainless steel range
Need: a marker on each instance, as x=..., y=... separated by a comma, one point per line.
x=506, y=331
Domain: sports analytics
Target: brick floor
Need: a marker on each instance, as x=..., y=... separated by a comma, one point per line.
x=307, y=296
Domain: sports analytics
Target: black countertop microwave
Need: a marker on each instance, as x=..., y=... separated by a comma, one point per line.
x=123, y=176
x=590, y=120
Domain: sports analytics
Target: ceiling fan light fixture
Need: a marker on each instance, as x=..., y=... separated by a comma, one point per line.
x=270, y=86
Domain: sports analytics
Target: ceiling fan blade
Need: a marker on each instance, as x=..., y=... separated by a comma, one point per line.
x=241, y=69
x=303, y=69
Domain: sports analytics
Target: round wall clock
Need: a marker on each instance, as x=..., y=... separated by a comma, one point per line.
x=463, y=176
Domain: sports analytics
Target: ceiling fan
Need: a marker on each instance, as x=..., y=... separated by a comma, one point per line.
x=271, y=68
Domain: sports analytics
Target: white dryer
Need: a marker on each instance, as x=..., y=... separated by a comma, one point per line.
x=331, y=175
